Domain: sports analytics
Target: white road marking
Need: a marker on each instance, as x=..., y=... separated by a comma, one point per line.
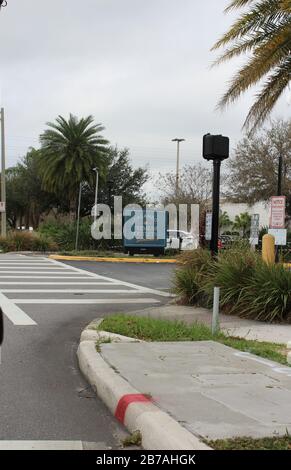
x=14, y=313
x=70, y=291
x=37, y=272
x=86, y=301
x=27, y=269
x=85, y=278
x=41, y=445
x=36, y=283
x=123, y=283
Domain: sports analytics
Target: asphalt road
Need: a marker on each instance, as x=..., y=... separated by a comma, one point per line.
x=43, y=396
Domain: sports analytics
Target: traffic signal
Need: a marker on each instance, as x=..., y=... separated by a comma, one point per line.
x=215, y=147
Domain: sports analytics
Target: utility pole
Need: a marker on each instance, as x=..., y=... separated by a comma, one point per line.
x=3, y=181
x=78, y=216
x=96, y=193
x=178, y=162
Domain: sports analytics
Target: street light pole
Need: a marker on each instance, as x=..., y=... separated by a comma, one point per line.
x=178, y=162
x=96, y=193
x=78, y=217
x=3, y=179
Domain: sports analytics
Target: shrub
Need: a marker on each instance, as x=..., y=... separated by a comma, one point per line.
x=26, y=241
x=231, y=272
x=64, y=234
x=249, y=287
x=267, y=295
x=195, y=267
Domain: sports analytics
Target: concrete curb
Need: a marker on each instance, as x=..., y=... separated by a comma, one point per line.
x=113, y=260
x=158, y=429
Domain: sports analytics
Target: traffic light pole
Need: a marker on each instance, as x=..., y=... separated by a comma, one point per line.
x=215, y=207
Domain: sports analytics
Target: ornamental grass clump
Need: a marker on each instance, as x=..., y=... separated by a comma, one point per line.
x=231, y=271
x=193, y=271
x=249, y=287
x=267, y=295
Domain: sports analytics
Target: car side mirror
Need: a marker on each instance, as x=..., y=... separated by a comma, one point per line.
x=1, y=327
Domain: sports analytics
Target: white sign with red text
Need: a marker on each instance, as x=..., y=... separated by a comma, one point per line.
x=278, y=212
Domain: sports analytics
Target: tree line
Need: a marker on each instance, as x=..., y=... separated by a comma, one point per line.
x=47, y=179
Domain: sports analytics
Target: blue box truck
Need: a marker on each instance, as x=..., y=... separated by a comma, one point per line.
x=145, y=231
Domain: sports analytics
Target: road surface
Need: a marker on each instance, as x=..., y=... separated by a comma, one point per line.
x=43, y=396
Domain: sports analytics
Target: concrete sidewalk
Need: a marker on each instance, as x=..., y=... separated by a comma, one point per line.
x=210, y=389
x=230, y=324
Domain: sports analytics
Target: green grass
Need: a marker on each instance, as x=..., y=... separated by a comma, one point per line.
x=150, y=329
x=93, y=253
x=247, y=443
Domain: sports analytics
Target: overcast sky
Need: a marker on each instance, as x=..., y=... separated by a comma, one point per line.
x=141, y=67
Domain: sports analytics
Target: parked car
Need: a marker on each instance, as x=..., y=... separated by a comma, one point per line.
x=181, y=240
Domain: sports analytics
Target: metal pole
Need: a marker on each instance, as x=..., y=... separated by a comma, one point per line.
x=178, y=163
x=215, y=207
x=178, y=167
x=215, y=315
x=280, y=168
x=78, y=218
x=3, y=180
x=96, y=195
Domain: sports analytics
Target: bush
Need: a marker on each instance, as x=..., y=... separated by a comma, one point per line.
x=195, y=268
x=64, y=234
x=26, y=241
x=249, y=287
x=231, y=272
x=267, y=295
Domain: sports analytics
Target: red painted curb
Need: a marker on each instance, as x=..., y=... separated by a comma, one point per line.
x=125, y=401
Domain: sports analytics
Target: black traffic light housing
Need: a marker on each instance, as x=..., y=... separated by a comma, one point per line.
x=215, y=147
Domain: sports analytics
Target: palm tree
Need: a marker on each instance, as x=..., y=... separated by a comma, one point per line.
x=70, y=150
x=264, y=31
x=224, y=220
x=242, y=223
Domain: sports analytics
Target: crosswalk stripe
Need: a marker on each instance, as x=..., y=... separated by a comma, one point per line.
x=36, y=283
x=41, y=445
x=86, y=301
x=71, y=291
x=14, y=313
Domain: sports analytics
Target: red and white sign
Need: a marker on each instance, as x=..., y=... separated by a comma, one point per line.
x=2, y=207
x=278, y=212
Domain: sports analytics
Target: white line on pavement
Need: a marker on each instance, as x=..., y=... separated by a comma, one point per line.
x=14, y=313
x=37, y=272
x=86, y=301
x=71, y=291
x=73, y=277
x=41, y=445
x=128, y=284
x=36, y=283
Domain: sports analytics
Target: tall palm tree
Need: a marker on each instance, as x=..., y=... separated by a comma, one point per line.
x=263, y=31
x=70, y=150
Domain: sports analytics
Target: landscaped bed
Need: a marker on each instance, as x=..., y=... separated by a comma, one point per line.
x=249, y=287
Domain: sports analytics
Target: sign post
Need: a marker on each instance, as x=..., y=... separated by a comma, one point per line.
x=255, y=230
x=277, y=220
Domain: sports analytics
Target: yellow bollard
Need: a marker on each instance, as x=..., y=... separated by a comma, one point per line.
x=268, y=249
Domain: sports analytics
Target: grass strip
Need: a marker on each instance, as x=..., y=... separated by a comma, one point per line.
x=247, y=443
x=152, y=329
